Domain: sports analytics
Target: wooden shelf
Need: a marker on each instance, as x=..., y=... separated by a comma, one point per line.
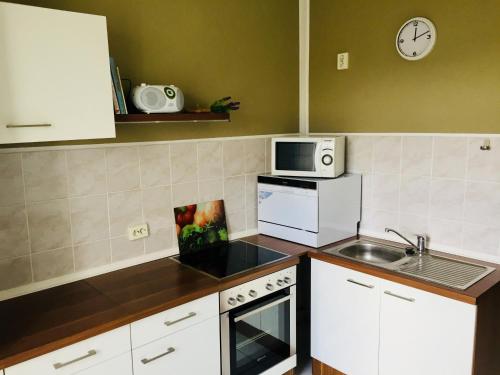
x=138, y=118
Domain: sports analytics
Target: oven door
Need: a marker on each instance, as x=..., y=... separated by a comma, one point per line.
x=295, y=157
x=260, y=336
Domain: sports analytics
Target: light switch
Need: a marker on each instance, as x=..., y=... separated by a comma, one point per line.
x=343, y=61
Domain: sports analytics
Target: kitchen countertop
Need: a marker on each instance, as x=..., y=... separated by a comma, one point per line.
x=40, y=322
x=44, y=321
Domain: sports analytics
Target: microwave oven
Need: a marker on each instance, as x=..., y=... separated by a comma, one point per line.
x=308, y=156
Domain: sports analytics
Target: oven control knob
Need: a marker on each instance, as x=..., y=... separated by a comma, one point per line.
x=288, y=280
x=327, y=159
x=231, y=301
x=252, y=293
x=279, y=282
x=269, y=286
x=240, y=298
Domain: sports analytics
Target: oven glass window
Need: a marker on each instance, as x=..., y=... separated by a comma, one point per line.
x=261, y=338
x=295, y=156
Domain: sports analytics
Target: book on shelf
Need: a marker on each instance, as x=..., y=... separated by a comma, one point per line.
x=117, y=86
x=121, y=90
x=115, y=100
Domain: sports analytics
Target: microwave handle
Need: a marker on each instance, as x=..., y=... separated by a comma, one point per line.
x=262, y=308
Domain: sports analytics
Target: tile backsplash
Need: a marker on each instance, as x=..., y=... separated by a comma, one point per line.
x=67, y=210
x=443, y=186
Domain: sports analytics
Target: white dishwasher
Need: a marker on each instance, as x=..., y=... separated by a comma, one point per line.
x=310, y=211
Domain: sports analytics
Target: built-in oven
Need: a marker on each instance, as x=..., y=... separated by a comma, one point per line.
x=258, y=326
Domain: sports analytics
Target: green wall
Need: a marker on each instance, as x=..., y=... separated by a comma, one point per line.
x=209, y=48
x=454, y=89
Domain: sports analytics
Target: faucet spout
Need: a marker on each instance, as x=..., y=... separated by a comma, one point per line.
x=420, y=246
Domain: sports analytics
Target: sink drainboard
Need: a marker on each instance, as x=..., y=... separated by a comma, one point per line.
x=445, y=271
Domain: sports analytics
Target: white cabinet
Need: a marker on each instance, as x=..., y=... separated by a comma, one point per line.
x=77, y=357
x=182, y=340
x=194, y=350
x=170, y=321
x=364, y=325
x=423, y=333
x=121, y=365
x=54, y=69
x=344, y=318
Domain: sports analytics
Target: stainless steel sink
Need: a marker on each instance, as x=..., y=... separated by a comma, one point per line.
x=434, y=268
x=372, y=253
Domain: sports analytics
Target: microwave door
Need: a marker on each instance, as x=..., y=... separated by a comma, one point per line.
x=288, y=206
x=296, y=157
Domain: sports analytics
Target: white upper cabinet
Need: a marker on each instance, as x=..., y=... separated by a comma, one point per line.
x=54, y=74
x=344, y=318
x=423, y=333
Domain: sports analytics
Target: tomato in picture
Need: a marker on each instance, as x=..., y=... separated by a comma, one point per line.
x=188, y=218
x=191, y=208
x=179, y=219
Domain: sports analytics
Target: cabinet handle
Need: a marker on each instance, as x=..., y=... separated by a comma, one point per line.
x=89, y=354
x=147, y=360
x=358, y=283
x=169, y=323
x=400, y=297
x=28, y=126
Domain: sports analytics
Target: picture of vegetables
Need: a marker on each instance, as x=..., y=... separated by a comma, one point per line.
x=200, y=226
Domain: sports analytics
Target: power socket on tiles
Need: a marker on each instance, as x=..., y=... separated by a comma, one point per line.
x=138, y=231
x=343, y=61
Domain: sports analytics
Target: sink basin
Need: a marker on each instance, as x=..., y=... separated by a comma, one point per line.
x=369, y=252
x=438, y=269
x=372, y=253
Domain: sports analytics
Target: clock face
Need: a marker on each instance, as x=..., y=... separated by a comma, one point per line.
x=416, y=38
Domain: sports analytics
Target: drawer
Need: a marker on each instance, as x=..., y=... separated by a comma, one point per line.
x=194, y=350
x=77, y=357
x=172, y=320
x=121, y=365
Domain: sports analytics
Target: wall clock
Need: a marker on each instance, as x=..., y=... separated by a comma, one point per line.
x=416, y=38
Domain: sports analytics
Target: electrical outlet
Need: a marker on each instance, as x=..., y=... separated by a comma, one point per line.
x=138, y=231
x=343, y=61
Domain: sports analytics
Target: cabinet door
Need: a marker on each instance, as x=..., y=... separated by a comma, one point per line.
x=194, y=350
x=77, y=357
x=344, y=318
x=54, y=70
x=121, y=365
x=423, y=333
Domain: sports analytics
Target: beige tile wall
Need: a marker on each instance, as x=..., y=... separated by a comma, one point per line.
x=443, y=186
x=65, y=211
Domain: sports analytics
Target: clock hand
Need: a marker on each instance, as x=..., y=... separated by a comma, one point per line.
x=421, y=35
x=415, y=37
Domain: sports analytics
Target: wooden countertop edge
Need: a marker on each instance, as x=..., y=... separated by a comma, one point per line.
x=26, y=355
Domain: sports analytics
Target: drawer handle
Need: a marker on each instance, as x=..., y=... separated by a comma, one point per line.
x=28, y=126
x=89, y=354
x=147, y=360
x=400, y=297
x=169, y=323
x=358, y=283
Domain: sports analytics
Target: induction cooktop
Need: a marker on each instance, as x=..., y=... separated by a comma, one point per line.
x=230, y=258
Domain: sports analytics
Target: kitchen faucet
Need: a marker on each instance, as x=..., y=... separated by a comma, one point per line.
x=420, y=246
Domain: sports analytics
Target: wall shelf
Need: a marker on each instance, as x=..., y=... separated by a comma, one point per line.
x=138, y=118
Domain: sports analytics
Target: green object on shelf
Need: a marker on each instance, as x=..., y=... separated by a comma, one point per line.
x=224, y=105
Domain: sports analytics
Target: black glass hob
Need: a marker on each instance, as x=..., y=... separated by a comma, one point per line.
x=229, y=259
